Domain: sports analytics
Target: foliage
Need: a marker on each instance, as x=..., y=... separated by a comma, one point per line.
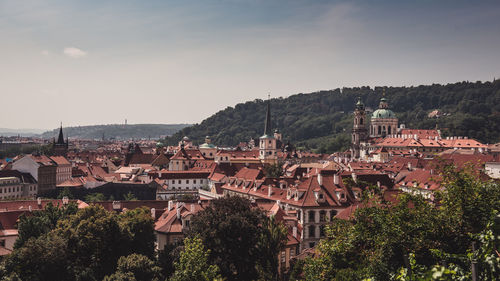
x=116, y=131
x=66, y=192
x=129, y=197
x=241, y=239
x=194, y=264
x=323, y=120
x=42, y=258
x=36, y=224
x=61, y=243
x=137, y=226
x=94, y=197
x=135, y=267
x=414, y=238
x=273, y=170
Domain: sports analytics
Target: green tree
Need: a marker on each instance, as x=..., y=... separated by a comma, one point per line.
x=38, y=223
x=40, y=259
x=94, y=241
x=137, y=227
x=232, y=230
x=129, y=197
x=95, y=197
x=194, y=263
x=272, y=241
x=135, y=267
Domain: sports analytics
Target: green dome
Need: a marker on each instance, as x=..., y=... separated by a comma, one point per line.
x=207, y=145
x=383, y=113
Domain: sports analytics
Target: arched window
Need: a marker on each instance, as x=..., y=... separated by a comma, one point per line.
x=361, y=121
x=379, y=130
x=389, y=130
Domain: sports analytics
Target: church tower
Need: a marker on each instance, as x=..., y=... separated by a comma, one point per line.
x=359, y=131
x=60, y=147
x=268, y=147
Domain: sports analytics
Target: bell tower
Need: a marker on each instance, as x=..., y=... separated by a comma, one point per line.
x=359, y=131
x=268, y=145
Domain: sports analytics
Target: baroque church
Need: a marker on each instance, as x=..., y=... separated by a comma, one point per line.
x=383, y=123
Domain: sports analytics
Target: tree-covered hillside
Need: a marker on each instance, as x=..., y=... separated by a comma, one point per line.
x=116, y=131
x=323, y=120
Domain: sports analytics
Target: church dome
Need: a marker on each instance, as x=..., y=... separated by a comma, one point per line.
x=383, y=113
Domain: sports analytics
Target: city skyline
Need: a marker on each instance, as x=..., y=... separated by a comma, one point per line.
x=178, y=62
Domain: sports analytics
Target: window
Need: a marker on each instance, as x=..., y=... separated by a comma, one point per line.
x=312, y=215
x=322, y=216
x=194, y=181
x=361, y=121
x=187, y=181
x=179, y=181
x=312, y=231
x=379, y=130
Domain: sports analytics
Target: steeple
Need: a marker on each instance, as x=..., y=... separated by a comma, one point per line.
x=267, y=128
x=60, y=139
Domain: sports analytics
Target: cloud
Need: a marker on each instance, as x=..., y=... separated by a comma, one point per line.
x=45, y=52
x=73, y=52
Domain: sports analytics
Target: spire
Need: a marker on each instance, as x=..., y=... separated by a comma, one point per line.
x=60, y=139
x=267, y=128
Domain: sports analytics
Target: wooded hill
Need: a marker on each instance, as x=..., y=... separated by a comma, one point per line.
x=322, y=120
x=117, y=131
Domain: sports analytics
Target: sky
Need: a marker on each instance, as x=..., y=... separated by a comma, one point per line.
x=101, y=62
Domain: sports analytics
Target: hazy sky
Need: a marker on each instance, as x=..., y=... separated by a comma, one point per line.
x=99, y=62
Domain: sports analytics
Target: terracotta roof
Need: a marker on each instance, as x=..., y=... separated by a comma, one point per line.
x=60, y=160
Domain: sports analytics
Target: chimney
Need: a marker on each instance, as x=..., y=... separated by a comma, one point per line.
x=169, y=205
x=320, y=179
x=336, y=179
x=354, y=177
x=178, y=213
x=153, y=213
x=192, y=208
x=65, y=200
x=29, y=208
x=378, y=184
x=409, y=166
x=39, y=201
x=294, y=231
x=116, y=205
x=269, y=191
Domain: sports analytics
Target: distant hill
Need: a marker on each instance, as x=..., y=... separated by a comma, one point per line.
x=323, y=120
x=6, y=132
x=123, y=132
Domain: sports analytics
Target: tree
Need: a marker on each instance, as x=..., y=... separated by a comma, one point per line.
x=40, y=259
x=35, y=224
x=232, y=230
x=137, y=227
x=94, y=241
x=271, y=243
x=194, y=264
x=95, y=197
x=273, y=170
x=129, y=197
x=135, y=267
x=66, y=192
